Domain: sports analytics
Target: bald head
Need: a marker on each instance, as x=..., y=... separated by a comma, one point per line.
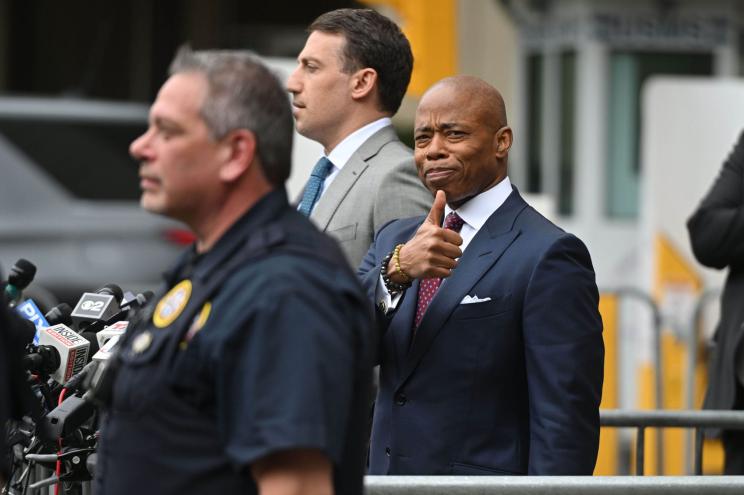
x=462, y=140
x=476, y=93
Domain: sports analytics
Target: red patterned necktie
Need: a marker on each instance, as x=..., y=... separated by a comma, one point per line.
x=428, y=286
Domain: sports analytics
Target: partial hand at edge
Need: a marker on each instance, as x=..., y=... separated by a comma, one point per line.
x=294, y=472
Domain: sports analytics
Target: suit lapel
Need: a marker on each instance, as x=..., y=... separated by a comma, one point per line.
x=401, y=328
x=347, y=177
x=331, y=200
x=482, y=253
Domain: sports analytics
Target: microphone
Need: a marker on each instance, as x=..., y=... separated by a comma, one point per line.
x=108, y=341
x=31, y=312
x=101, y=347
x=72, y=348
x=61, y=313
x=138, y=301
x=66, y=418
x=44, y=360
x=22, y=332
x=116, y=329
x=20, y=276
x=107, y=350
x=100, y=305
x=112, y=289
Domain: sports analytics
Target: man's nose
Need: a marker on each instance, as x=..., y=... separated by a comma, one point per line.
x=437, y=148
x=293, y=84
x=139, y=147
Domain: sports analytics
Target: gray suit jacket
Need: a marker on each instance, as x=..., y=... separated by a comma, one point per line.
x=379, y=183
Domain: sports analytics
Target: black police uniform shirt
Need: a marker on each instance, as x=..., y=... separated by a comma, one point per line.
x=278, y=358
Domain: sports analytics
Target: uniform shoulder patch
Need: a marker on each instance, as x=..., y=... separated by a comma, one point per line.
x=171, y=305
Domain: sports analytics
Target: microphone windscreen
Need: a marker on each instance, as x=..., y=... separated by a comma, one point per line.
x=112, y=289
x=25, y=331
x=22, y=274
x=61, y=313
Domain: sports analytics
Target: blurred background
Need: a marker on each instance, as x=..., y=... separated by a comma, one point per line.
x=623, y=111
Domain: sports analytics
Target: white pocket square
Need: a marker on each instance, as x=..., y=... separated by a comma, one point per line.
x=473, y=300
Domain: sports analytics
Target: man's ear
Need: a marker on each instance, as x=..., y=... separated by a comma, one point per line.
x=239, y=154
x=363, y=83
x=503, y=138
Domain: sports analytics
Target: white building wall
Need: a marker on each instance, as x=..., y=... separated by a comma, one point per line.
x=593, y=28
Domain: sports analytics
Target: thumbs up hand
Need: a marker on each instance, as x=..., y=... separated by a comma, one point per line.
x=437, y=209
x=433, y=250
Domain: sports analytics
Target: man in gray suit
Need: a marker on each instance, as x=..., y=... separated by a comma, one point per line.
x=350, y=80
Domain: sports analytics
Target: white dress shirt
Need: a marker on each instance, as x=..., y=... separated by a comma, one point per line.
x=479, y=209
x=474, y=214
x=343, y=150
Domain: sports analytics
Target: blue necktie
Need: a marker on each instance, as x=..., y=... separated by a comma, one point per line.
x=314, y=185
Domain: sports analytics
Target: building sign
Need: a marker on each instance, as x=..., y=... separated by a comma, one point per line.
x=620, y=29
x=688, y=31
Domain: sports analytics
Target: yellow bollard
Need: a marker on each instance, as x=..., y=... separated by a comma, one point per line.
x=608, y=438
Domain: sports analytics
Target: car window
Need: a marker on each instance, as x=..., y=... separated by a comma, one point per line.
x=88, y=159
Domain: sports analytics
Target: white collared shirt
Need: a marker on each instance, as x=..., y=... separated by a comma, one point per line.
x=340, y=155
x=475, y=212
x=479, y=208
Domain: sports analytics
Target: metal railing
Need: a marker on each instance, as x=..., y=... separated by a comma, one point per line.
x=633, y=293
x=729, y=420
x=693, y=340
x=553, y=485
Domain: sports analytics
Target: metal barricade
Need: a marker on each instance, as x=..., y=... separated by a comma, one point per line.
x=635, y=294
x=693, y=341
x=732, y=420
x=554, y=485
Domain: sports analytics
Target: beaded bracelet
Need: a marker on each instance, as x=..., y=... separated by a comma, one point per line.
x=396, y=262
x=389, y=284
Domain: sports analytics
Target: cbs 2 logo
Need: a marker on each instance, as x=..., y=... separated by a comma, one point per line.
x=92, y=305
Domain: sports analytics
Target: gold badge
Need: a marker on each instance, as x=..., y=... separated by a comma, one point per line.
x=172, y=304
x=199, y=321
x=142, y=342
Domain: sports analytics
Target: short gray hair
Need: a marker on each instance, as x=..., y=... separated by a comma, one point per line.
x=244, y=94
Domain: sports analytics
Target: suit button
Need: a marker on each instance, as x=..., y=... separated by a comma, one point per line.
x=387, y=451
x=382, y=307
x=401, y=399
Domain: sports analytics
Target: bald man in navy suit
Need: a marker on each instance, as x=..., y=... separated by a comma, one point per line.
x=492, y=353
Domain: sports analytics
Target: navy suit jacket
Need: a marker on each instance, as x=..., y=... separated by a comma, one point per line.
x=510, y=385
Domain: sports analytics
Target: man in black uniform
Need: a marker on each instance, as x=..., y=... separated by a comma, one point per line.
x=251, y=370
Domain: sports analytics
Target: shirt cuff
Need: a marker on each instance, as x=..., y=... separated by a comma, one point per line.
x=384, y=300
